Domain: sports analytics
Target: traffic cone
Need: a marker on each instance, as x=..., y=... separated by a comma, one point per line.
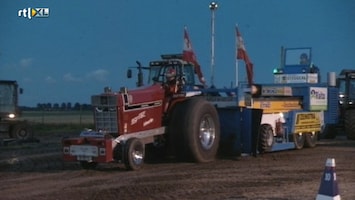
x=328, y=189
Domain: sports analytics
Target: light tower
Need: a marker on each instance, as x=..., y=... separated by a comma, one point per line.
x=213, y=7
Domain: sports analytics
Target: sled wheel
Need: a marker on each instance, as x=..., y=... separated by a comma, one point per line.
x=266, y=138
x=298, y=139
x=310, y=140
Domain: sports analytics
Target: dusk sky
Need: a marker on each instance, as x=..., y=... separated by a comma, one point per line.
x=86, y=45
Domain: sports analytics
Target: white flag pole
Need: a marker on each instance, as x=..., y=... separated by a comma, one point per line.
x=236, y=73
x=236, y=60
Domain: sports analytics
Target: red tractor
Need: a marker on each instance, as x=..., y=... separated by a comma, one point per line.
x=170, y=112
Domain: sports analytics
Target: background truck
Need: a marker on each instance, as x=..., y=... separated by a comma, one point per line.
x=344, y=118
x=346, y=85
x=10, y=124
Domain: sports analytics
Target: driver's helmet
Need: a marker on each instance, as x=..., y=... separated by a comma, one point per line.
x=170, y=74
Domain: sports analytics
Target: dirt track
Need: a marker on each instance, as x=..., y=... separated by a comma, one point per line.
x=36, y=171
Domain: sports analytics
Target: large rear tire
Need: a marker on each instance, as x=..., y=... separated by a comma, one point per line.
x=349, y=123
x=195, y=128
x=133, y=154
x=266, y=138
x=310, y=139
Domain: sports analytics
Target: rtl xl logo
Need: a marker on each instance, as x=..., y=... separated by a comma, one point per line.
x=33, y=12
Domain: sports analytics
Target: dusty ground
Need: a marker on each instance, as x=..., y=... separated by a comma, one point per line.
x=36, y=171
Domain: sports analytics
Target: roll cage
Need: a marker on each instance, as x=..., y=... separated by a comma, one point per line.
x=184, y=71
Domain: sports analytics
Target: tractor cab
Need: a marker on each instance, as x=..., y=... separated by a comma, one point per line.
x=8, y=99
x=170, y=68
x=10, y=123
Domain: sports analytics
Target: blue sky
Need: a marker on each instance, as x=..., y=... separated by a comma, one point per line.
x=86, y=45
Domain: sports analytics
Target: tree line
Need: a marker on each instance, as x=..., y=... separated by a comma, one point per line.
x=65, y=106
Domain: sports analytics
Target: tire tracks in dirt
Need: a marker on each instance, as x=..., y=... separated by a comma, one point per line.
x=39, y=171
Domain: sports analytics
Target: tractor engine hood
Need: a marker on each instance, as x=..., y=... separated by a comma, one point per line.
x=142, y=109
x=144, y=95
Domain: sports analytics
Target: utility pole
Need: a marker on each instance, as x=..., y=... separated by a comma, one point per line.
x=213, y=7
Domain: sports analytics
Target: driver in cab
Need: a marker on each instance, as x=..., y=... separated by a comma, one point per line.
x=171, y=82
x=304, y=59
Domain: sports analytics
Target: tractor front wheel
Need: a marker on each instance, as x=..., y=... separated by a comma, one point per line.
x=21, y=131
x=133, y=154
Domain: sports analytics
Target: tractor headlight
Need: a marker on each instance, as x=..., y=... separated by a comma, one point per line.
x=11, y=116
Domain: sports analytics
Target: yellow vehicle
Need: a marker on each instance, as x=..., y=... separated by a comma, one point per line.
x=296, y=107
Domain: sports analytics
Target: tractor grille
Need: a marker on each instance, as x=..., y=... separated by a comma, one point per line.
x=105, y=113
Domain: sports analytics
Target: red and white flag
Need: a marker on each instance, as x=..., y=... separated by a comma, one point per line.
x=189, y=56
x=243, y=55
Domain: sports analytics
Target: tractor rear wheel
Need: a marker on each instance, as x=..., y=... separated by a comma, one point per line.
x=195, y=126
x=21, y=131
x=266, y=138
x=299, y=140
x=349, y=123
x=310, y=139
x=133, y=154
